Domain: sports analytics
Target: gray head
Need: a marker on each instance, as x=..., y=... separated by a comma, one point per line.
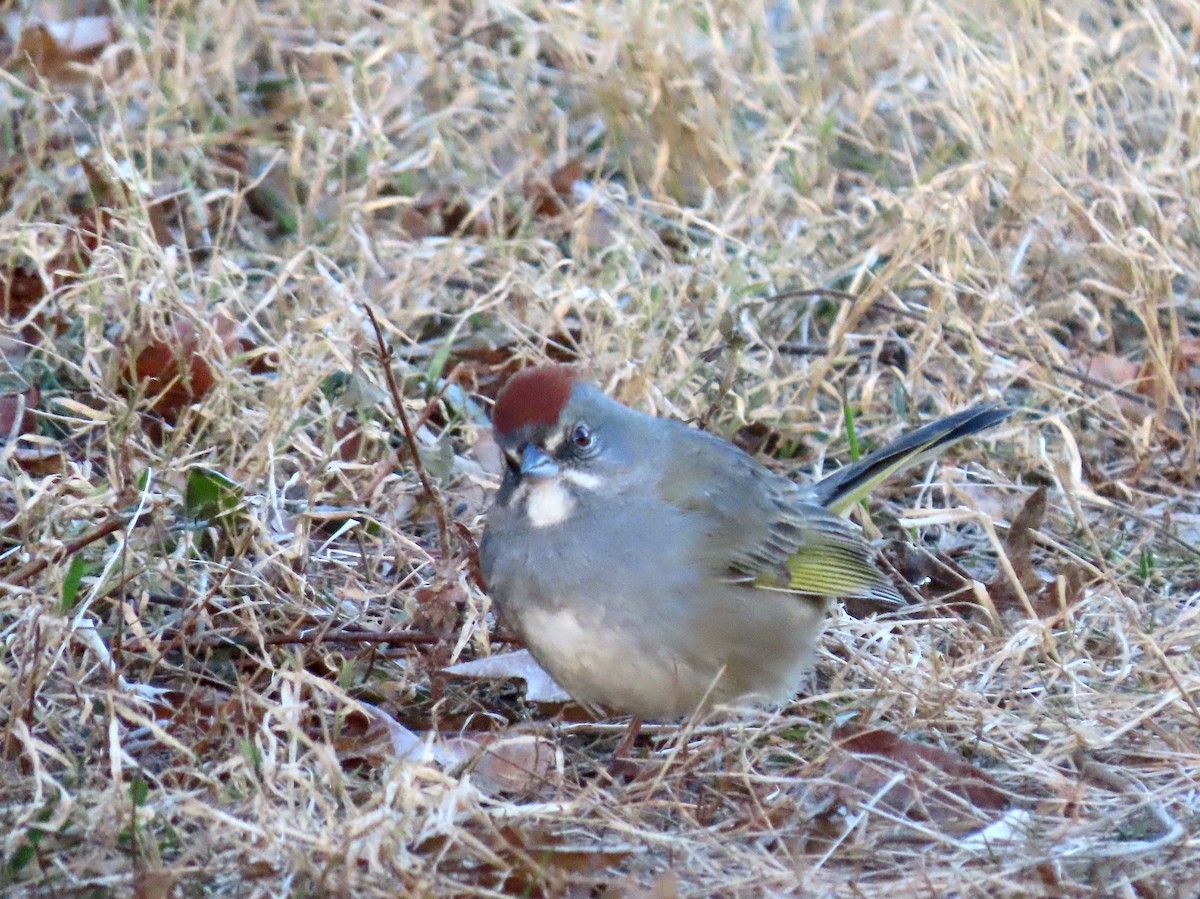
x=561, y=436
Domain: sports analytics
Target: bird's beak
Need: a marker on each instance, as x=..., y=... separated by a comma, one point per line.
x=536, y=463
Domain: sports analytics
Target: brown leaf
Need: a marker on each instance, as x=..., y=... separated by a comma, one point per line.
x=153, y=884
x=551, y=196
x=109, y=194
x=912, y=780
x=173, y=371
x=1187, y=366
x=1115, y=371
x=563, y=178
x=1020, y=539
x=1018, y=546
x=55, y=48
x=555, y=851
x=664, y=886
x=757, y=437
x=20, y=289
x=375, y=739
x=1141, y=377
x=270, y=192
x=16, y=413
x=39, y=459
x=1046, y=596
x=443, y=213
x=509, y=764
x=436, y=612
x=76, y=255
x=192, y=716
x=22, y=286
x=938, y=578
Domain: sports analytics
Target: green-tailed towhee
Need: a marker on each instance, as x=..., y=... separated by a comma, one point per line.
x=653, y=568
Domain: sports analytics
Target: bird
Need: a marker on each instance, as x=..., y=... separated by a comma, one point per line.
x=657, y=570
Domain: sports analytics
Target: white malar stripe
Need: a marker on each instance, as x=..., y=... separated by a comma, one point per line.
x=549, y=503
x=581, y=478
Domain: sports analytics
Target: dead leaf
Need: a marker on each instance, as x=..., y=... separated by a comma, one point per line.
x=664, y=886
x=113, y=194
x=154, y=884
x=267, y=186
x=56, y=49
x=757, y=437
x=878, y=769
x=437, y=605
x=513, y=764
x=178, y=368
x=173, y=371
x=542, y=863
x=551, y=196
x=1113, y=370
x=22, y=286
x=936, y=576
x=1187, y=364
x=20, y=289
x=1047, y=595
x=444, y=212
x=16, y=413
x=45, y=457
x=76, y=255
x=577, y=858
x=1142, y=377
x=518, y=665
x=406, y=744
x=563, y=178
x=1018, y=546
x=517, y=765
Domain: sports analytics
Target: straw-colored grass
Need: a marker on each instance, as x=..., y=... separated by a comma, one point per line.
x=966, y=200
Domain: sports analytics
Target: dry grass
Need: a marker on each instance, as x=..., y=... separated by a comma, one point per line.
x=1006, y=190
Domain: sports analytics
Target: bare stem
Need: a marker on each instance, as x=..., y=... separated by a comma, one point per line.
x=34, y=566
x=385, y=358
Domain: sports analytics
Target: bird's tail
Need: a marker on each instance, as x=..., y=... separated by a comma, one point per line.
x=846, y=486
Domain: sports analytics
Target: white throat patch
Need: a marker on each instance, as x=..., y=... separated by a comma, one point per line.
x=549, y=503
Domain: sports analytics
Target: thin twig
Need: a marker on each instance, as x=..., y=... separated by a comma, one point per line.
x=388, y=638
x=733, y=344
x=34, y=566
x=385, y=359
x=321, y=636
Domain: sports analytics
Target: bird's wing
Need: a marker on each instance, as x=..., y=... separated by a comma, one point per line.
x=760, y=528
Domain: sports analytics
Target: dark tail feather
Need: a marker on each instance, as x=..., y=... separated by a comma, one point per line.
x=848, y=485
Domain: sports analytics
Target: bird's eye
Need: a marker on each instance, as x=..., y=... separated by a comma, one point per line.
x=581, y=436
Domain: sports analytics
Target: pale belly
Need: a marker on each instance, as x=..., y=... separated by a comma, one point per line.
x=665, y=668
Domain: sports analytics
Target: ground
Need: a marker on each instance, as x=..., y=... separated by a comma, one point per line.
x=229, y=593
